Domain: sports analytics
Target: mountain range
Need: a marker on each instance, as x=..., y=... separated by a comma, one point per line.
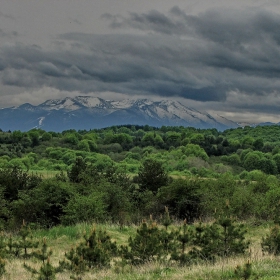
x=85, y=112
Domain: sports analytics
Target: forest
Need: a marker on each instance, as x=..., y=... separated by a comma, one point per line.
x=183, y=188
x=138, y=169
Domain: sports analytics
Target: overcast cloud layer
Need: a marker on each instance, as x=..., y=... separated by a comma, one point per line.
x=223, y=59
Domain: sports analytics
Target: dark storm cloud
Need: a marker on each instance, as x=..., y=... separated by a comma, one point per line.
x=224, y=26
x=239, y=40
x=199, y=57
x=125, y=64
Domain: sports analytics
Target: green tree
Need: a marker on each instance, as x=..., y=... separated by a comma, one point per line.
x=95, y=251
x=46, y=271
x=84, y=208
x=17, y=136
x=183, y=198
x=76, y=170
x=258, y=144
x=4, y=210
x=83, y=145
x=197, y=138
x=267, y=166
x=71, y=138
x=46, y=136
x=276, y=159
x=251, y=161
x=14, y=180
x=34, y=136
x=145, y=246
x=152, y=176
x=43, y=204
x=195, y=150
x=247, y=142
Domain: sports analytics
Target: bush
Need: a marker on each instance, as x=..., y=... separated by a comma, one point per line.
x=95, y=251
x=43, y=204
x=182, y=198
x=145, y=246
x=84, y=208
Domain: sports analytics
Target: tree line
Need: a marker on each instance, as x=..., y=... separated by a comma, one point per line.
x=245, y=152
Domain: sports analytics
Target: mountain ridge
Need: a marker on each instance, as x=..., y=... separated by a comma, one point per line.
x=86, y=112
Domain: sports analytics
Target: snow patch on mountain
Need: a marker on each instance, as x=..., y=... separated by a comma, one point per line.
x=86, y=112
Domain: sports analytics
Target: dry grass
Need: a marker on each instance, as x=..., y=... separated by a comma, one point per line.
x=266, y=267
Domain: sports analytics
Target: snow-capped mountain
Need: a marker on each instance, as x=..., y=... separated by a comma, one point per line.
x=84, y=112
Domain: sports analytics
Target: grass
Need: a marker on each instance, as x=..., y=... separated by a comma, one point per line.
x=61, y=239
x=45, y=173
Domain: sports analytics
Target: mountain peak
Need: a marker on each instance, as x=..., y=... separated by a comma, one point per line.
x=87, y=112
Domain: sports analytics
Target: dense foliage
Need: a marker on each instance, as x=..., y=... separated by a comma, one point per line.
x=123, y=174
x=183, y=151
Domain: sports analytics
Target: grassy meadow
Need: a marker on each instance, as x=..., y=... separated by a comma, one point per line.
x=60, y=239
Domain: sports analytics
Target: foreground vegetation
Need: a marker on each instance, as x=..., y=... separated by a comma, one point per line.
x=63, y=239
x=185, y=203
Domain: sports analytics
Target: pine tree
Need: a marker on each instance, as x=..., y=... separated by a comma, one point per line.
x=75, y=263
x=19, y=247
x=145, y=246
x=152, y=176
x=26, y=241
x=46, y=271
x=232, y=237
x=169, y=241
x=95, y=251
x=13, y=247
x=223, y=238
x=166, y=220
x=98, y=249
x=77, y=169
x=44, y=253
x=271, y=243
x=184, y=238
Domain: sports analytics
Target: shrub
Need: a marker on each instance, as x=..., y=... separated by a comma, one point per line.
x=84, y=208
x=145, y=246
x=96, y=251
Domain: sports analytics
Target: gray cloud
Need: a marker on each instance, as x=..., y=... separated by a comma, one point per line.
x=8, y=34
x=74, y=20
x=6, y=16
x=125, y=64
x=202, y=57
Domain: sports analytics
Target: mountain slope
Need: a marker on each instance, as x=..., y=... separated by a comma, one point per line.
x=84, y=112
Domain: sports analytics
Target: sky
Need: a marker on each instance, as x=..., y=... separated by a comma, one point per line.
x=218, y=56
